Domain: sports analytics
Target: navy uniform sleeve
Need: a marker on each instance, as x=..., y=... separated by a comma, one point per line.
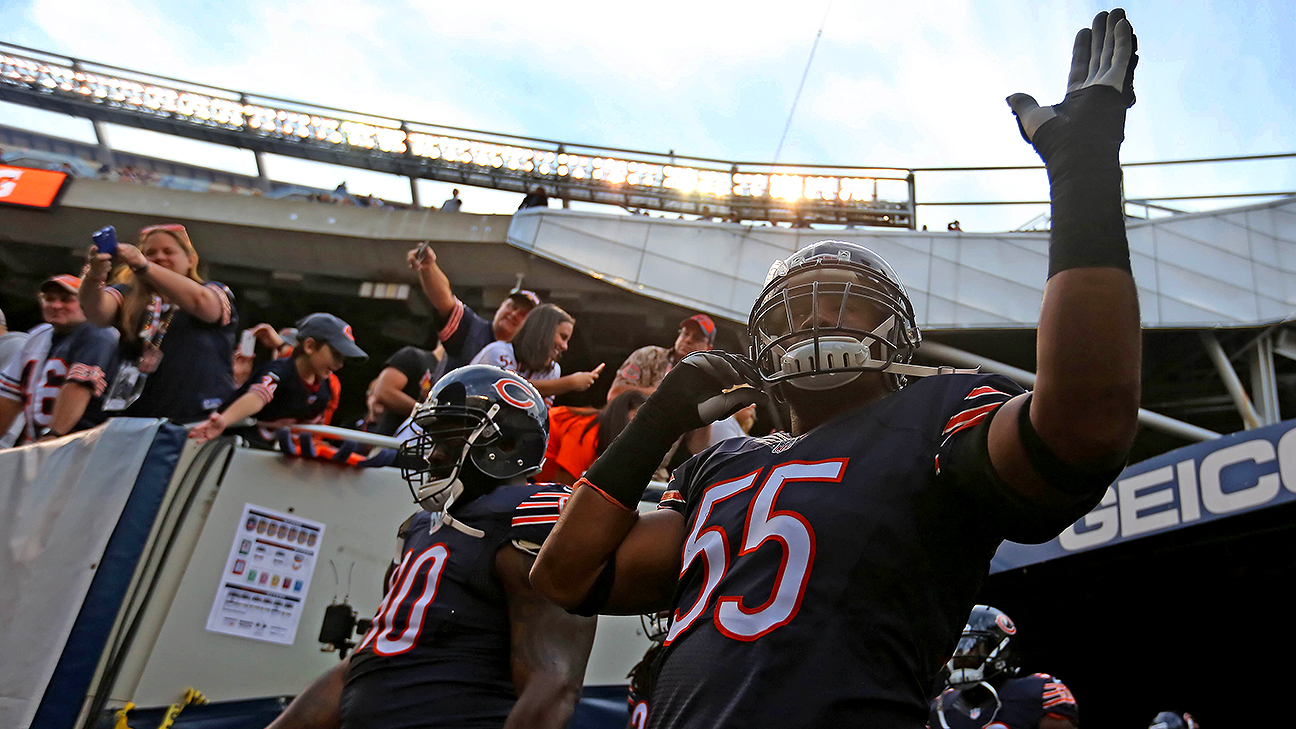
x=535, y=516
x=1056, y=699
x=963, y=462
x=455, y=330
x=91, y=355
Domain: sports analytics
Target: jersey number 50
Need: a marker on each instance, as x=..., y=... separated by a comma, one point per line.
x=788, y=528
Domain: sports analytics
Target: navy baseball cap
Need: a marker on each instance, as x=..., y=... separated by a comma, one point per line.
x=328, y=328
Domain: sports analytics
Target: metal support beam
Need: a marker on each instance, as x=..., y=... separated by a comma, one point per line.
x=414, y=196
x=1264, y=380
x=1250, y=419
x=1285, y=342
x=105, y=152
x=263, y=179
x=1147, y=418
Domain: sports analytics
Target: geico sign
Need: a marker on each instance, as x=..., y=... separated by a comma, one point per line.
x=1145, y=502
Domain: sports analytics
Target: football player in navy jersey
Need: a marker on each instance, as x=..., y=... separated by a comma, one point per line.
x=984, y=690
x=821, y=579
x=461, y=639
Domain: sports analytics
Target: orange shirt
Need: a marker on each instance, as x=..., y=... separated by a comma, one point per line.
x=570, y=446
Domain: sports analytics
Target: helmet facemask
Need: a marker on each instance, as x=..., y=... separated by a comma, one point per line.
x=979, y=657
x=448, y=438
x=822, y=333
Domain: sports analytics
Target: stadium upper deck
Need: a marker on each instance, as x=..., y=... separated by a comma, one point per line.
x=729, y=190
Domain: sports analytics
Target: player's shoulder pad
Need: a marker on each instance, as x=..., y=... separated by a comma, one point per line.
x=536, y=512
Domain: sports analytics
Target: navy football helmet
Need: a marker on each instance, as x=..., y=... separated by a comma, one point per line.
x=984, y=651
x=479, y=414
x=850, y=315
x=1171, y=720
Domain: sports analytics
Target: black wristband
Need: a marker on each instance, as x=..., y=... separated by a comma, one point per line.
x=140, y=270
x=1081, y=150
x=1065, y=477
x=628, y=464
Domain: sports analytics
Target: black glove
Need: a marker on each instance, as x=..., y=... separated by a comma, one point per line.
x=1079, y=141
x=701, y=389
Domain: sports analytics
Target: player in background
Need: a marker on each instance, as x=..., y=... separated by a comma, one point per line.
x=655, y=626
x=57, y=379
x=461, y=639
x=984, y=689
x=1172, y=720
x=822, y=579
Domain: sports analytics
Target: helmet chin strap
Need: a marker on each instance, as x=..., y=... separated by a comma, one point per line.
x=940, y=705
x=449, y=488
x=836, y=352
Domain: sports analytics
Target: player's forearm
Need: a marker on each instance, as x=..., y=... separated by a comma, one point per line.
x=68, y=408
x=587, y=535
x=1087, y=392
x=319, y=706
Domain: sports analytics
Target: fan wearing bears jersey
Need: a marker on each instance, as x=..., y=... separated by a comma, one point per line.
x=984, y=690
x=822, y=578
x=461, y=639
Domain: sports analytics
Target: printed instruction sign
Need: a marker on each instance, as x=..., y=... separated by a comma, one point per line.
x=267, y=576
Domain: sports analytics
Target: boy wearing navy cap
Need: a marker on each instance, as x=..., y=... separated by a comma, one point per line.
x=289, y=390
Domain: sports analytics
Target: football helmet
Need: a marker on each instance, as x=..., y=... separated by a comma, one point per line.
x=984, y=651
x=479, y=414
x=1171, y=720
x=850, y=315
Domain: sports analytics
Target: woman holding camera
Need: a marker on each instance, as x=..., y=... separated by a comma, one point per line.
x=177, y=331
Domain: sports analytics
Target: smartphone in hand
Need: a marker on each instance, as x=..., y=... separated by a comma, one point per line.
x=105, y=239
x=247, y=344
x=421, y=253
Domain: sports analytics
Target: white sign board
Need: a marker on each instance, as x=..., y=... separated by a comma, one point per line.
x=267, y=576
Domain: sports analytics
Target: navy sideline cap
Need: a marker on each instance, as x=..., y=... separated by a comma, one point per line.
x=328, y=328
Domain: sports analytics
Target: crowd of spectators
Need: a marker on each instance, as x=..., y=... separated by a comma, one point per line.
x=141, y=333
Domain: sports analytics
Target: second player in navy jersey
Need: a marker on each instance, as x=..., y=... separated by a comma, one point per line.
x=821, y=580
x=461, y=639
x=984, y=689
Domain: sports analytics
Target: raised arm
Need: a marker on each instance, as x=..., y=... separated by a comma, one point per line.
x=1082, y=417
x=602, y=556
x=192, y=297
x=436, y=287
x=548, y=651
x=99, y=307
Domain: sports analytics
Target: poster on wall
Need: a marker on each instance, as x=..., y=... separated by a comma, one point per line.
x=267, y=576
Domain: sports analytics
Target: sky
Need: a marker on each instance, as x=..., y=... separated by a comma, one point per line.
x=896, y=84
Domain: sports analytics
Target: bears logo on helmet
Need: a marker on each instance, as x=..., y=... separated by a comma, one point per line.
x=984, y=651
x=479, y=416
